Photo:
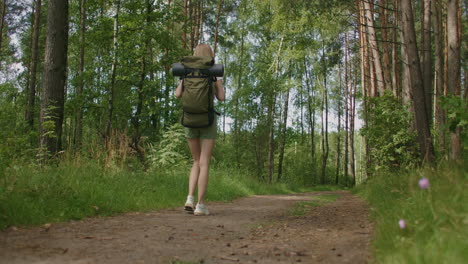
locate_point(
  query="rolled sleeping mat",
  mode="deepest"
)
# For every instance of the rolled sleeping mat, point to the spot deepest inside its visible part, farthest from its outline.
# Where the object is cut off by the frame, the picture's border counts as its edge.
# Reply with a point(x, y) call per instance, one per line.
point(178, 69)
point(217, 70)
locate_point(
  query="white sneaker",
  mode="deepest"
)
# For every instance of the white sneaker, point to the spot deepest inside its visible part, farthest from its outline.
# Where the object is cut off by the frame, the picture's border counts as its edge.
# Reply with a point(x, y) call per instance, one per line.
point(189, 204)
point(201, 210)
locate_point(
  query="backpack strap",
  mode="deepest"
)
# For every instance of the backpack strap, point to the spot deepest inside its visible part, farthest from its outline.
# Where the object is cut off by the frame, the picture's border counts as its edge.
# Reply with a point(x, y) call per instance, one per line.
point(210, 102)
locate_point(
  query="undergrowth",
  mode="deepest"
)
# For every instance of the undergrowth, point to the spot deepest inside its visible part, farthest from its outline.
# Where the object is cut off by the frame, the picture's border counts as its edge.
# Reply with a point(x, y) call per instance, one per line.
point(416, 224)
point(31, 195)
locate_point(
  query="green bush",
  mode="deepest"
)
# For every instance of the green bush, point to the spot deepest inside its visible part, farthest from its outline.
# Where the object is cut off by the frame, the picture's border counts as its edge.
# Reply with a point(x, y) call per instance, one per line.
point(15, 144)
point(457, 117)
point(392, 144)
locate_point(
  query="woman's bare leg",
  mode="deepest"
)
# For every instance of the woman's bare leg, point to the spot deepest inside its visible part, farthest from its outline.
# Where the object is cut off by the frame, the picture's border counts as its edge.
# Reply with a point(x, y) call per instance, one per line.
point(204, 165)
point(194, 144)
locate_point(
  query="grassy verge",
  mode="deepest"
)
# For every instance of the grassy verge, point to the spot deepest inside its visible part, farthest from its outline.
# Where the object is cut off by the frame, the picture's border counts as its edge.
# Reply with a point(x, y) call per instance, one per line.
point(33, 196)
point(435, 219)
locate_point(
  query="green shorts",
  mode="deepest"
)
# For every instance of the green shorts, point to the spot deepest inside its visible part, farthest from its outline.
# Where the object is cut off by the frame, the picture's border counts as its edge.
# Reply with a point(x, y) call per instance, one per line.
point(210, 132)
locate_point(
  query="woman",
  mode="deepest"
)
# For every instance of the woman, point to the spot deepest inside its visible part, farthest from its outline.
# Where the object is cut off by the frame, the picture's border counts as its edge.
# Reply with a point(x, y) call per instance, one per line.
point(201, 142)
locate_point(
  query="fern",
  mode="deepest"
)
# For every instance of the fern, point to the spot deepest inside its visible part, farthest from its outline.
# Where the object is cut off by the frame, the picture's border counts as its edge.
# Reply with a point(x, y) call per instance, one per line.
point(171, 150)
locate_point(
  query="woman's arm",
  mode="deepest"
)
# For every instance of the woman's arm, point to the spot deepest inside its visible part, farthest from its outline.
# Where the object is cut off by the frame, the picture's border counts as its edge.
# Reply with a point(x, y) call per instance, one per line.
point(219, 92)
point(179, 90)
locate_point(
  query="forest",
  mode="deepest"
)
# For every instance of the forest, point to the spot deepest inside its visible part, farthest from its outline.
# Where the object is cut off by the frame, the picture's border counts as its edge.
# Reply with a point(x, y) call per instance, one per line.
point(340, 93)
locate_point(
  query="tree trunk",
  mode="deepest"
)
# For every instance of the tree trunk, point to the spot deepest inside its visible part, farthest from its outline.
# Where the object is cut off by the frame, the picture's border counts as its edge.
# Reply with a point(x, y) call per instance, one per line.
point(167, 93)
point(259, 156)
point(114, 73)
point(192, 27)
point(271, 138)
point(184, 31)
point(396, 80)
point(224, 105)
point(196, 21)
point(427, 58)
point(380, 82)
point(338, 140)
point(55, 66)
point(33, 70)
point(301, 94)
point(79, 88)
point(386, 67)
point(154, 120)
point(311, 114)
point(417, 88)
point(220, 3)
point(439, 79)
point(325, 146)
point(136, 137)
point(236, 101)
point(347, 108)
point(369, 73)
point(454, 68)
point(272, 116)
point(283, 135)
point(406, 82)
point(136, 118)
point(446, 46)
point(3, 12)
point(366, 86)
point(167, 79)
point(406, 77)
point(199, 22)
point(351, 135)
point(465, 96)
point(374, 92)
point(29, 64)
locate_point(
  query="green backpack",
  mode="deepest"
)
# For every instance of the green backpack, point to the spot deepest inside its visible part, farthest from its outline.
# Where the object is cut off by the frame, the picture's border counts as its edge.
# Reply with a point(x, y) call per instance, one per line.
point(198, 92)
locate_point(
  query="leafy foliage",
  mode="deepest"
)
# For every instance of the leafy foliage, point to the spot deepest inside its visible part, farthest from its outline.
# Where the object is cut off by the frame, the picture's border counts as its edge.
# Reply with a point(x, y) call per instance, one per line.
point(457, 115)
point(391, 142)
point(14, 146)
point(171, 150)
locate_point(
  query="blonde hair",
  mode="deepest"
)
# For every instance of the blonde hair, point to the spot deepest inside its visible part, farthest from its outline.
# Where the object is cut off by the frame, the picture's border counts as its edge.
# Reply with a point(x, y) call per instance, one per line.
point(203, 50)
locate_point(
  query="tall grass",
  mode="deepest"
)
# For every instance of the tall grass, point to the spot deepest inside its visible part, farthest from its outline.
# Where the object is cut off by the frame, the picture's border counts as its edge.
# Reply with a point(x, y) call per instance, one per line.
point(436, 218)
point(34, 196)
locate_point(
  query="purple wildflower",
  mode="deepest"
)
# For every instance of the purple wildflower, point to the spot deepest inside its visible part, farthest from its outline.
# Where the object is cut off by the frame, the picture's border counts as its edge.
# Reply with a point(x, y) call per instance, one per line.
point(402, 224)
point(424, 183)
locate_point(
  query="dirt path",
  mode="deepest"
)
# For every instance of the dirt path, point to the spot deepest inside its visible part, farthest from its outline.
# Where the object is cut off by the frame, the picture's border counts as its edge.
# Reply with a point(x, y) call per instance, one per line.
point(257, 229)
